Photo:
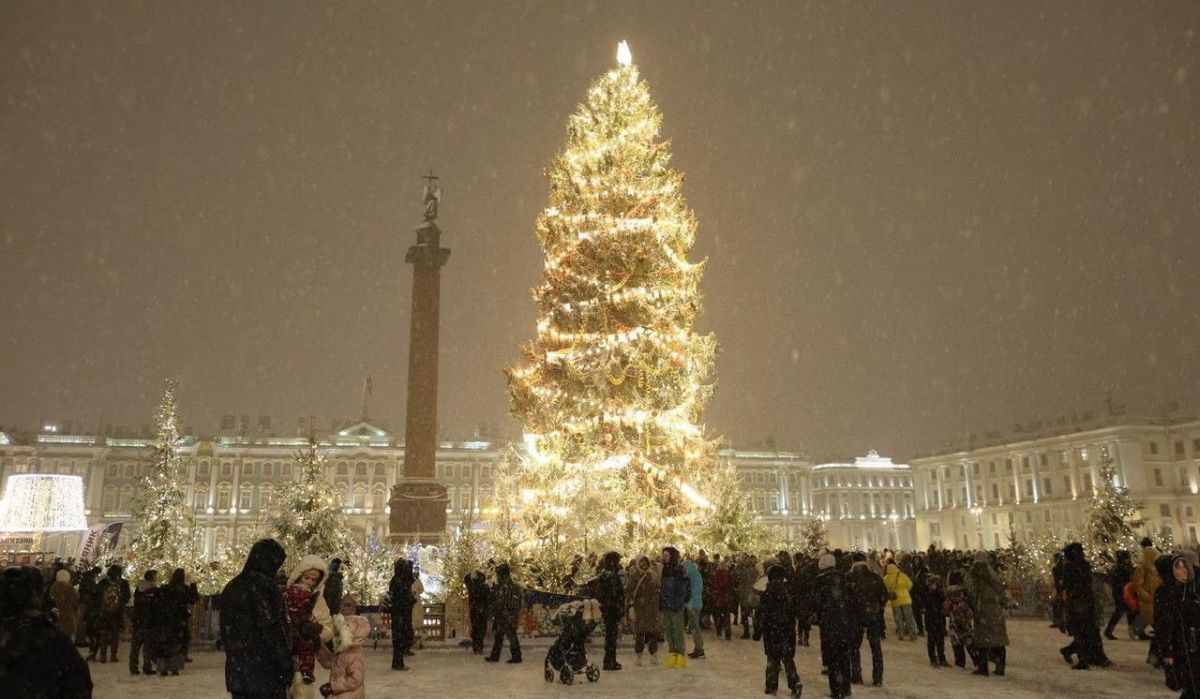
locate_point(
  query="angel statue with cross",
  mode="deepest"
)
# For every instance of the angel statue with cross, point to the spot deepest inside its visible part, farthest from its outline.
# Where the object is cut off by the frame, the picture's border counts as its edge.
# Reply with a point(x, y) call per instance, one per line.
point(431, 197)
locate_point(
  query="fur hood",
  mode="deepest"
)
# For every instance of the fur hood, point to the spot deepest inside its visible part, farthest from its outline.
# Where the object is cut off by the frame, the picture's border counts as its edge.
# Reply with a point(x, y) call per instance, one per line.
point(63, 576)
point(309, 562)
point(349, 631)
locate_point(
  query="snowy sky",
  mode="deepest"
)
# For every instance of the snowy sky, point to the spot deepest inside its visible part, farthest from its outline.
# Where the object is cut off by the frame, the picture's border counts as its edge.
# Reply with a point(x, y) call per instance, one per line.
point(921, 219)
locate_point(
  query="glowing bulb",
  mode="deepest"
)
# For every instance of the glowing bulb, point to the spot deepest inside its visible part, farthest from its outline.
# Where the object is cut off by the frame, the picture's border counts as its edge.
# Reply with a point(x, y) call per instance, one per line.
point(624, 57)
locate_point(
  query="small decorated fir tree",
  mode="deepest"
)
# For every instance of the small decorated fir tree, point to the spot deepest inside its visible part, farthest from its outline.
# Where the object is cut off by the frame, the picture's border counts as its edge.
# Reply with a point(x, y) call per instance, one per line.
point(814, 537)
point(1113, 517)
point(306, 515)
point(164, 520)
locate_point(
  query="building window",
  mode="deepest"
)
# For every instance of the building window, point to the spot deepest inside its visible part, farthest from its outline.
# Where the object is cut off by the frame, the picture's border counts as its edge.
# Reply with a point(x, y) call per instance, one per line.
point(1028, 517)
point(995, 492)
point(1028, 487)
point(1192, 535)
point(201, 499)
point(975, 468)
point(224, 493)
point(265, 494)
point(248, 468)
point(1087, 482)
point(286, 469)
point(1158, 481)
point(268, 469)
point(360, 468)
point(1066, 484)
point(1046, 487)
point(110, 499)
point(464, 499)
point(1025, 464)
point(991, 467)
point(1179, 448)
point(360, 496)
point(1012, 491)
point(110, 471)
point(1008, 465)
point(226, 469)
point(1187, 511)
point(245, 498)
point(1153, 447)
point(1196, 447)
point(203, 469)
point(1042, 460)
point(378, 501)
point(1164, 510)
point(379, 470)
point(130, 470)
point(343, 469)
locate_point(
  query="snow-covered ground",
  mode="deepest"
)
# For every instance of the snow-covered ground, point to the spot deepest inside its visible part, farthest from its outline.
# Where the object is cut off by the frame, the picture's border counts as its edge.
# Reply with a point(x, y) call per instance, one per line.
point(732, 669)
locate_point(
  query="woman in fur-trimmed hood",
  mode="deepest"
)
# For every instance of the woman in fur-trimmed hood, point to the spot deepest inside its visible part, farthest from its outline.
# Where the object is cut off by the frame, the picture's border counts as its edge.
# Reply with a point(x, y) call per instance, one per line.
point(308, 613)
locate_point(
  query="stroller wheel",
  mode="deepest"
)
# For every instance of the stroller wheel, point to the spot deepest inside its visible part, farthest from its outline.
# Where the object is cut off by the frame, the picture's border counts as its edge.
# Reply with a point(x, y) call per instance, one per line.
point(593, 673)
point(566, 675)
point(549, 674)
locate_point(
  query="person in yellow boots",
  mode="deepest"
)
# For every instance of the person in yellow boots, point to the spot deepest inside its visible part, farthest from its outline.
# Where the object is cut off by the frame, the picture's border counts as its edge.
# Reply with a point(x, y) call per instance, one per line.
point(898, 584)
point(674, 592)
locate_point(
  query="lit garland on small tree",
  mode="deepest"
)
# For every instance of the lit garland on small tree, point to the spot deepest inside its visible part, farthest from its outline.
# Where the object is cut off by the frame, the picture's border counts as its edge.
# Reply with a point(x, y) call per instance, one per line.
point(614, 384)
point(1113, 517)
point(370, 568)
point(814, 537)
point(730, 525)
point(164, 520)
point(306, 515)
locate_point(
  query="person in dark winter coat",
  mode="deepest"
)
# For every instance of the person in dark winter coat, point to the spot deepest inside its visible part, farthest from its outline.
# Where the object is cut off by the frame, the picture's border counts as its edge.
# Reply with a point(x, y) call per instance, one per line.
point(746, 574)
point(723, 601)
point(1119, 576)
point(643, 596)
point(479, 600)
point(608, 589)
point(112, 594)
point(1177, 611)
point(960, 617)
point(837, 610)
point(167, 627)
point(37, 660)
point(139, 619)
point(85, 630)
point(991, 632)
point(919, 574)
point(775, 624)
point(935, 621)
point(800, 580)
point(400, 591)
point(1081, 611)
point(335, 582)
point(507, 601)
point(872, 597)
point(254, 627)
point(675, 589)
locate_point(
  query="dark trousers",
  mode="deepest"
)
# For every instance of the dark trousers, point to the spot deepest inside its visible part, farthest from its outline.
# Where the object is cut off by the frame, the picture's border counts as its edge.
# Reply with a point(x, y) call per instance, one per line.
point(138, 648)
point(918, 610)
point(836, 657)
point(872, 633)
point(747, 621)
point(612, 631)
point(1120, 611)
point(998, 655)
point(935, 642)
point(789, 666)
point(1087, 645)
point(506, 629)
point(721, 624)
point(402, 634)
point(643, 640)
point(108, 638)
point(478, 629)
point(960, 654)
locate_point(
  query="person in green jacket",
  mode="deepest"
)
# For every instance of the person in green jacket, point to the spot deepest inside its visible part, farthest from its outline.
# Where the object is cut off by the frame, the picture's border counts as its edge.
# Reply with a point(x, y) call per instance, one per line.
point(898, 585)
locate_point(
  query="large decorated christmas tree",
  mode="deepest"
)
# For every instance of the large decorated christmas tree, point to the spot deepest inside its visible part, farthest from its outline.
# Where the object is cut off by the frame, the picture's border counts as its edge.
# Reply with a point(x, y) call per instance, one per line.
point(165, 523)
point(614, 384)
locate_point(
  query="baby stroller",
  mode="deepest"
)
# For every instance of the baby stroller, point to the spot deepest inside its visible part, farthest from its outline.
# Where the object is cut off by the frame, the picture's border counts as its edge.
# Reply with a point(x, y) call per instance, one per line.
point(567, 657)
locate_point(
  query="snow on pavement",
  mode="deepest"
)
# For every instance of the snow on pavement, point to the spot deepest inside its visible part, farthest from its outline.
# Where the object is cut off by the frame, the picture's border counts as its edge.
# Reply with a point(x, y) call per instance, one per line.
point(732, 669)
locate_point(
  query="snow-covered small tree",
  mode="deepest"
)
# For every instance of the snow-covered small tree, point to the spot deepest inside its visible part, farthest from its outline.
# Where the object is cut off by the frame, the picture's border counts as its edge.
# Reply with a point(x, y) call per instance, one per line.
point(729, 525)
point(369, 569)
point(814, 537)
point(1113, 517)
point(164, 520)
point(306, 515)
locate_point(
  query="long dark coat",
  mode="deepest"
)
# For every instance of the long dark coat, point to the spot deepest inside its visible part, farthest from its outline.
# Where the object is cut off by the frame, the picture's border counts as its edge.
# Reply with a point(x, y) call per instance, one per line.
point(835, 608)
point(1081, 600)
point(644, 593)
point(775, 621)
point(1178, 632)
point(37, 661)
point(254, 626)
point(987, 594)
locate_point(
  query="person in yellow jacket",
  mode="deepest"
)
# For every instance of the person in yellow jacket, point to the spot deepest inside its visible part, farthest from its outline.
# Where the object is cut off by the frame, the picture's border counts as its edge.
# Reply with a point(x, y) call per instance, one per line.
point(1146, 581)
point(898, 585)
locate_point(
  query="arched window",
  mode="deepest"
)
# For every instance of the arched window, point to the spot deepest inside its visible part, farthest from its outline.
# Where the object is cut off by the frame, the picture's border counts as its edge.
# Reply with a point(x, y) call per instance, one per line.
point(343, 468)
point(201, 498)
point(265, 493)
point(464, 498)
point(360, 468)
point(246, 497)
point(220, 536)
point(360, 495)
point(379, 499)
point(224, 494)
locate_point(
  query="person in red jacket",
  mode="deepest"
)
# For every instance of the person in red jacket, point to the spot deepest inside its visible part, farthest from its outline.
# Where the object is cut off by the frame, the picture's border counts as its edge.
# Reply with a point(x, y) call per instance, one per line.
point(724, 598)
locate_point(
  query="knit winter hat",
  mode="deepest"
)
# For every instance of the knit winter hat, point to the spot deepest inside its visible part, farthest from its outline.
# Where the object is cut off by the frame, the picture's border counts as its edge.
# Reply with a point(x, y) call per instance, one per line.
point(826, 561)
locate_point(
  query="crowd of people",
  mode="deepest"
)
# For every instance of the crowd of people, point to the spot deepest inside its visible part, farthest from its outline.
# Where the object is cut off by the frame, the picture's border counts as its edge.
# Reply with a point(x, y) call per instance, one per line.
point(276, 626)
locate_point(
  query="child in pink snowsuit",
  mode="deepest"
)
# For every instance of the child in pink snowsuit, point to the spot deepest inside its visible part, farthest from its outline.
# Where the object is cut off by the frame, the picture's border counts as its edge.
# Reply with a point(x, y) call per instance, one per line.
point(347, 670)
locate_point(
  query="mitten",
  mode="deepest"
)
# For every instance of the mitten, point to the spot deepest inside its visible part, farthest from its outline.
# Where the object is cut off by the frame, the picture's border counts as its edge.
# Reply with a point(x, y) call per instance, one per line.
point(326, 689)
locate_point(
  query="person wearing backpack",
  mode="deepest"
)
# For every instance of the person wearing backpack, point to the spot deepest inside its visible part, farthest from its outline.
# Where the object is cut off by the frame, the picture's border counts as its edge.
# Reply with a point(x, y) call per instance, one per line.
point(112, 594)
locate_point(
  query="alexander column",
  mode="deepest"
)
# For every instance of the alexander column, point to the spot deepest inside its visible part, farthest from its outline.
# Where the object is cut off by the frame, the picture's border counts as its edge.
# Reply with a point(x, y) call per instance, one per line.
point(418, 502)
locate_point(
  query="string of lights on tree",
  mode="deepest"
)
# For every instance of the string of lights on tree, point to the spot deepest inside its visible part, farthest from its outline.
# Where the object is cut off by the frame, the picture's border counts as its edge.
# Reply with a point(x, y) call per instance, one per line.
point(614, 383)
